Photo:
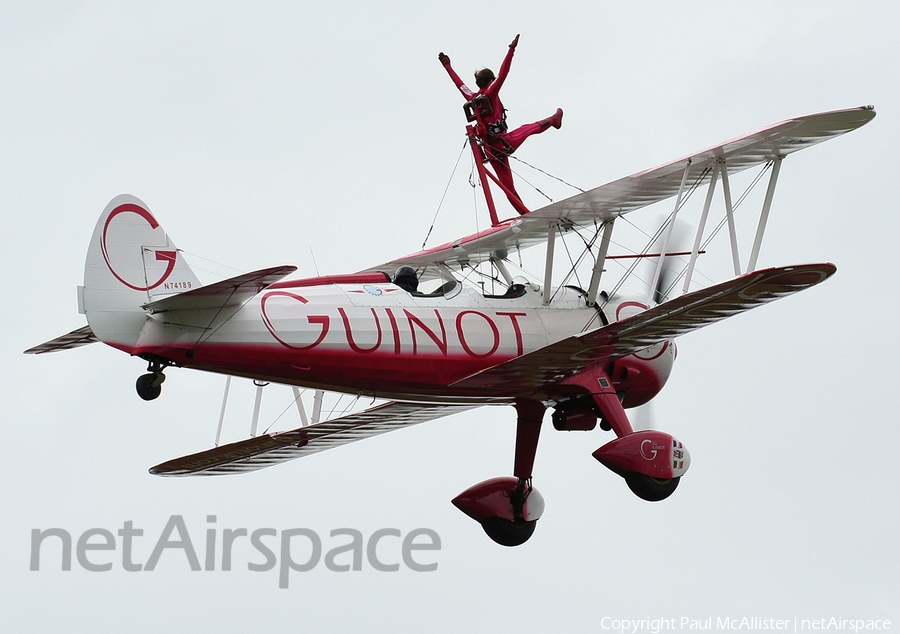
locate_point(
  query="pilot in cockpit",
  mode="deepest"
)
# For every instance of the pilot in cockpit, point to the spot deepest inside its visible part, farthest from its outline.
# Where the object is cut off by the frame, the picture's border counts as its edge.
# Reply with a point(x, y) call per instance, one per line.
point(406, 278)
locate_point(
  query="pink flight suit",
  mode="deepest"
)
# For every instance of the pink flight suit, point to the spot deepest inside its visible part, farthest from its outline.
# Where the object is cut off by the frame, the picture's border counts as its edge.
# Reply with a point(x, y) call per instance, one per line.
point(500, 143)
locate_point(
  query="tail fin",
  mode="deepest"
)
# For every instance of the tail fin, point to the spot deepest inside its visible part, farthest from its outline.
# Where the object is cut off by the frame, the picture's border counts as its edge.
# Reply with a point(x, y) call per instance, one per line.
point(130, 262)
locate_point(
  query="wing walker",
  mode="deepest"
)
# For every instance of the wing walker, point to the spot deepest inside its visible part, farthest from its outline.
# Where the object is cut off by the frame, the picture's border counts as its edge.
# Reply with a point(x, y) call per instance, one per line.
point(431, 343)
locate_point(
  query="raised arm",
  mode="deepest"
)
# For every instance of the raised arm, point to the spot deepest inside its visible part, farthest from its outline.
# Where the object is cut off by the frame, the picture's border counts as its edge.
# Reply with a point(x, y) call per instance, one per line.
point(465, 90)
point(504, 67)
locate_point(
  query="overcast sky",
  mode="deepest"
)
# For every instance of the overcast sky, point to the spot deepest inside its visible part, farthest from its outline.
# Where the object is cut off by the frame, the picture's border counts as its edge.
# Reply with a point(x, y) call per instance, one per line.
point(272, 134)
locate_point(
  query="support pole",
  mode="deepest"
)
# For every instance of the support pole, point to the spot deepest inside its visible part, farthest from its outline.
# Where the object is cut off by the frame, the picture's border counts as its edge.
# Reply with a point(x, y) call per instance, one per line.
point(764, 214)
point(548, 266)
point(479, 165)
point(695, 251)
point(729, 215)
point(222, 413)
point(599, 264)
point(665, 245)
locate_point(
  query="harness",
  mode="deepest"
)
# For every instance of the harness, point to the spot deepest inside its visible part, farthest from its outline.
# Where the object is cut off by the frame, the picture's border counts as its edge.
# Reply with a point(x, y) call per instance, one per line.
point(477, 110)
point(498, 127)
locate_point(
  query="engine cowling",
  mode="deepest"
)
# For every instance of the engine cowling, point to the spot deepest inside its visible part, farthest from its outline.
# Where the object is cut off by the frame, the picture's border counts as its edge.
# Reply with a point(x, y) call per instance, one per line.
point(642, 375)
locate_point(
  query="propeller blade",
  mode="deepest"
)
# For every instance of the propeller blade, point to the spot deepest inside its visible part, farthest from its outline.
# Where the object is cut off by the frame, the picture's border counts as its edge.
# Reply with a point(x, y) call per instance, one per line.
point(672, 267)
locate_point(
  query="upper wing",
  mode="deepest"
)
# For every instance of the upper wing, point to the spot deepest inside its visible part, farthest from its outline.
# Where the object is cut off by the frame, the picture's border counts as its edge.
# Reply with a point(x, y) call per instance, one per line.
point(81, 337)
point(270, 449)
point(535, 371)
point(639, 190)
point(230, 292)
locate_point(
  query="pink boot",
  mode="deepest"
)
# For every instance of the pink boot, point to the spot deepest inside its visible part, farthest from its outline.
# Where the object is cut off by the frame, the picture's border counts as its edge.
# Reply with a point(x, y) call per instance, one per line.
point(555, 120)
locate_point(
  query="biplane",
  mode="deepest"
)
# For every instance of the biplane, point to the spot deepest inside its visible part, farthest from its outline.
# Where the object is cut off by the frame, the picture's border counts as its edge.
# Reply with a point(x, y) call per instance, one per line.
point(416, 333)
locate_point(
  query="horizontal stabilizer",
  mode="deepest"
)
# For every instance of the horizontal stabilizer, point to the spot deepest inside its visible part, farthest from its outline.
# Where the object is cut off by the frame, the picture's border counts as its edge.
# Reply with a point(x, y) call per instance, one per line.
point(549, 365)
point(231, 292)
point(75, 339)
point(271, 449)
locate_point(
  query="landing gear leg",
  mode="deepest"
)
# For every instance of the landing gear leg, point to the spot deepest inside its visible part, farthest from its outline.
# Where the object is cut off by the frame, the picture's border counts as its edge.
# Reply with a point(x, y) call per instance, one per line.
point(528, 431)
point(149, 386)
point(651, 462)
point(508, 508)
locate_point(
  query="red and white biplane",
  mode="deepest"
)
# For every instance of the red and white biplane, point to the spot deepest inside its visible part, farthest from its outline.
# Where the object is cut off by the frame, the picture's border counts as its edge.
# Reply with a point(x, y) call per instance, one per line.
point(586, 353)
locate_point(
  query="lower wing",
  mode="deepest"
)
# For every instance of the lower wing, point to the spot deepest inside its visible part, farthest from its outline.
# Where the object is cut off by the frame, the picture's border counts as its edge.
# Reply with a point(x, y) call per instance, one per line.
point(271, 449)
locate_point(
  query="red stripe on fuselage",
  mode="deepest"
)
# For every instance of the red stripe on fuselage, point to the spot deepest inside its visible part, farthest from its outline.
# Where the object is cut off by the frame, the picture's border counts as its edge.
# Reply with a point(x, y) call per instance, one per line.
point(379, 371)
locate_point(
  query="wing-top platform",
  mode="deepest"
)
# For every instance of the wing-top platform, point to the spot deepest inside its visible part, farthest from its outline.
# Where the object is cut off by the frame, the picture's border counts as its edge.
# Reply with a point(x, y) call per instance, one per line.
point(639, 190)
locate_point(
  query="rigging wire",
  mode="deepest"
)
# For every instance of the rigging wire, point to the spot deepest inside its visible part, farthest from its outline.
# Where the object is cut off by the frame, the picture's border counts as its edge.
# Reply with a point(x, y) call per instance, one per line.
point(444, 195)
point(735, 206)
point(573, 270)
point(284, 411)
point(474, 183)
point(719, 227)
point(353, 401)
point(659, 231)
point(644, 252)
point(329, 415)
point(205, 270)
point(548, 174)
point(532, 185)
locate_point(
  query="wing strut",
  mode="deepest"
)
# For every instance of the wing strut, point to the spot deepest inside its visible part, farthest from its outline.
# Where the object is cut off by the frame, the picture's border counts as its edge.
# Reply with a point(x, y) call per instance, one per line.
point(601, 261)
point(304, 421)
point(504, 272)
point(317, 406)
point(764, 214)
point(701, 227)
point(548, 267)
point(222, 412)
point(256, 405)
point(729, 214)
point(254, 422)
point(669, 229)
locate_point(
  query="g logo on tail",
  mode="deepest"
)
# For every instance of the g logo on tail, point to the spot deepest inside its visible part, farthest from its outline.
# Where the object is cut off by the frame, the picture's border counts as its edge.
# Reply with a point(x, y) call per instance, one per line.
point(168, 257)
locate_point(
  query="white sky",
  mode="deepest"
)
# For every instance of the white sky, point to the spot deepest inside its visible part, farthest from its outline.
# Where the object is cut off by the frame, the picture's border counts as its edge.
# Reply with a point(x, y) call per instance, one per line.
point(257, 135)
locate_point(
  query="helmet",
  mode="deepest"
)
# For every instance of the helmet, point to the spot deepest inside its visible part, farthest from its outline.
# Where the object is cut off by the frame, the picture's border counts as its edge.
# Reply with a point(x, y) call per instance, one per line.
point(406, 278)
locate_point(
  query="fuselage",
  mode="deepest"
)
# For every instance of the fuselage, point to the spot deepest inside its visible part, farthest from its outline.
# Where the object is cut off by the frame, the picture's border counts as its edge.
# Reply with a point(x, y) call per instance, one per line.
point(378, 339)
